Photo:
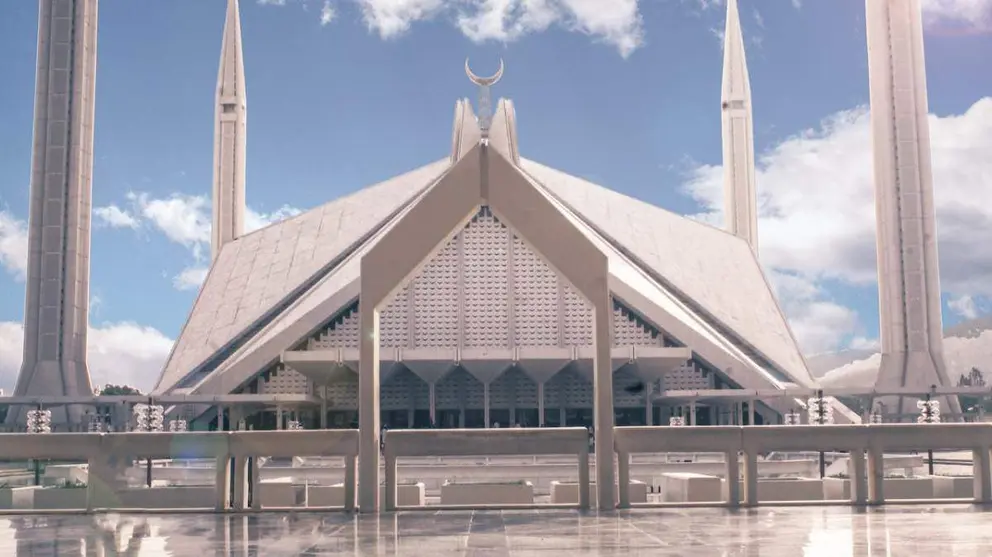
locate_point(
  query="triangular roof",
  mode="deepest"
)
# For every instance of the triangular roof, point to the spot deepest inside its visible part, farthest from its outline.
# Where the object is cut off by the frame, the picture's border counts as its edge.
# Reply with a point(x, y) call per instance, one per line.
point(291, 294)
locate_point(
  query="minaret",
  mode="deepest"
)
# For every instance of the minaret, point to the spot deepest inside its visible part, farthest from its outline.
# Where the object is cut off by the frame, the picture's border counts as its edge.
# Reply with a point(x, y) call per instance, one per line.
point(740, 205)
point(56, 309)
point(229, 136)
point(906, 233)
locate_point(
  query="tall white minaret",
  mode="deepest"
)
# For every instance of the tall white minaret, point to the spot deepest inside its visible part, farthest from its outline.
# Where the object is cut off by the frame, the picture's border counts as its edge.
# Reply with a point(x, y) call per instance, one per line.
point(229, 136)
point(56, 308)
point(740, 203)
point(906, 233)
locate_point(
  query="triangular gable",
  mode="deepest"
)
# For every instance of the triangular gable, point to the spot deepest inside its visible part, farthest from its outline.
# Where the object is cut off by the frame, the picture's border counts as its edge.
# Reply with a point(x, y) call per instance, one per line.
point(714, 270)
point(257, 272)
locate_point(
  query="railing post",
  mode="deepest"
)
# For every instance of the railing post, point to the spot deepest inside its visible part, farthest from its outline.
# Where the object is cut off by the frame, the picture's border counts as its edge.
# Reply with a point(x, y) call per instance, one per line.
point(222, 483)
point(982, 466)
point(350, 482)
point(255, 483)
point(584, 487)
point(390, 483)
point(859, 478)
point(732, 489)
point(623, 478)
point(751, 478)
point(241, 482)
point(876, 476)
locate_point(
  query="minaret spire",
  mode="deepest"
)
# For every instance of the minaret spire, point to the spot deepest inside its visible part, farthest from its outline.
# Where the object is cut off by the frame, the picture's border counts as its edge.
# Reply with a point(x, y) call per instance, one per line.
point(910, 324)
point(56, 309)
point(740, 205)
point(229, 136)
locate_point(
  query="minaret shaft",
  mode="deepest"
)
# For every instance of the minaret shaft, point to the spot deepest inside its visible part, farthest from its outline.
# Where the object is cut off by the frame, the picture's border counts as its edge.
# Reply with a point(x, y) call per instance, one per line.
point(56, 309)
point(230, 129)
point(908, 278)
point(740, 199)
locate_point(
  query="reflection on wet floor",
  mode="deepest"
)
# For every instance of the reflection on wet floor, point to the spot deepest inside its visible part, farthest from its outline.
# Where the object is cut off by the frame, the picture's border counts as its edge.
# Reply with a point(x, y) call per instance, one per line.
point(958, 531)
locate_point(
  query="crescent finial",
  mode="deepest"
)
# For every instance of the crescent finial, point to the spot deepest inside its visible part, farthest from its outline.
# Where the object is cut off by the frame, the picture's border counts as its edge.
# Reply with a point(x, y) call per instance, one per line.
point(484, 81)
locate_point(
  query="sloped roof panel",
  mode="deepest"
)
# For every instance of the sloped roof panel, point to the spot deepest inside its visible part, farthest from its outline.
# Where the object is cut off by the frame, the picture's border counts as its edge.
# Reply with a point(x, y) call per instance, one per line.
point(255, 272)
point(715, 269)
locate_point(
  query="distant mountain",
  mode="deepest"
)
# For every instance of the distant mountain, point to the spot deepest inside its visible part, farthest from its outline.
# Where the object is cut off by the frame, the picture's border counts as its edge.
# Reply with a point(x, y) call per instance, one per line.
point(966, 345)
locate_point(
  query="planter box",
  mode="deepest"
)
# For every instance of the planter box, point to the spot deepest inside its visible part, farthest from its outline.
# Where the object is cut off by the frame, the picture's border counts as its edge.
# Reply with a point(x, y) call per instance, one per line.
point(487, 494)
point(687, 487)
point(836, 489)
point(56, 498)
point(912, 488)
point(18, 497)
point(281, 492)
point(567, 493)
point(407, 495)
point(799, 489)
point(178, 497)
point(954, 487)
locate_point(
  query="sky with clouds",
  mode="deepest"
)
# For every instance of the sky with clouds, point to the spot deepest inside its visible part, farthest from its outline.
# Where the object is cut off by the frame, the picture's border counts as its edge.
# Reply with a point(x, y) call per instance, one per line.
point(345, 93)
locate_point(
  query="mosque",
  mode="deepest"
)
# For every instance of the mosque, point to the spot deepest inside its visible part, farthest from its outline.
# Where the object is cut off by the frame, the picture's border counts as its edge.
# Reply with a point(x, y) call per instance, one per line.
point(486, 331)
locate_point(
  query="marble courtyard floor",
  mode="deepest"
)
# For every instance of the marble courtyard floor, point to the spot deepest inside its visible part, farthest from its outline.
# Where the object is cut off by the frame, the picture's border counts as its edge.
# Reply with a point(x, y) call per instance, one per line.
point(937, 531)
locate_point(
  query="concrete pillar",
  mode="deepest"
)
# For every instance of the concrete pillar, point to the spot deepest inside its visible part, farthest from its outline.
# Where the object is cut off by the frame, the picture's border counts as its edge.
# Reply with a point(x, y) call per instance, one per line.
point(876, 477)
point(584, 487)
point(648, 414)
point(623, 479)
point(222, 483)
point(220, 417)
point(603, 401)
point(432, 400)
point(692, 412)
point(739, 407)
point(241, 483)
point(279, 412)
point(859, 478)
point(732, 477)
point(751, 478)
point(254, 483)
point(485, 404)
point(982, 466)
point(750, 412)
point(540, 405)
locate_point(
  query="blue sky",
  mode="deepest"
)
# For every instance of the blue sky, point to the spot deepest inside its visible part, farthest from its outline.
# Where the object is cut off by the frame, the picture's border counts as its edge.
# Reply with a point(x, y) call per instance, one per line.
point(621, 92)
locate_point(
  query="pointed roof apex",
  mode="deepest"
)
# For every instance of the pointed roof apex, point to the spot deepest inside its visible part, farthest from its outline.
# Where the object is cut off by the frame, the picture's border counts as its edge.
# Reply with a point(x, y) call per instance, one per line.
point(736, 84)
point(465, 132)
point(231, 80)
point(503, 131)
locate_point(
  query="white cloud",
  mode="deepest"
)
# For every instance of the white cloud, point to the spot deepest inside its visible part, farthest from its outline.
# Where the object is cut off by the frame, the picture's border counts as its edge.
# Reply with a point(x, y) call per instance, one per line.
point(190, 278)
point(327, 13)
point(114, 217)
point(13, 245)
point(119, 353)
point(817, 215)
point(819, 324)
point(614, 22)
point(964, 306)
point(976, 14)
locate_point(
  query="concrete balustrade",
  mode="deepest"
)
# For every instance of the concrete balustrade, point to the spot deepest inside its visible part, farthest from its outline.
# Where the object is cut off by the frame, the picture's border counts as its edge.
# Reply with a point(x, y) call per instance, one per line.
point(866, 445)
point(486, 442)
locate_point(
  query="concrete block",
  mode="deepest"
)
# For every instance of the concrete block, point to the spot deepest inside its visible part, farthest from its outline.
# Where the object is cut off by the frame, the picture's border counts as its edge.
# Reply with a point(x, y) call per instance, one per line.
point(55, 498)
point(521, 493)
point(687, 487)
point(407, 495)
point(953, 487)
point(176, 497)
point(790, 489)
point(836, 489)
point(17, 497)
point(914, 488)
point(281, 492)
point(567, 493)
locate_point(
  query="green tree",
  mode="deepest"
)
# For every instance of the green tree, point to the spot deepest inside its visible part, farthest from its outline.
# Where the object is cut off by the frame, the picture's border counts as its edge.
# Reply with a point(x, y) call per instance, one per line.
point(974, 378)
point(119, 390)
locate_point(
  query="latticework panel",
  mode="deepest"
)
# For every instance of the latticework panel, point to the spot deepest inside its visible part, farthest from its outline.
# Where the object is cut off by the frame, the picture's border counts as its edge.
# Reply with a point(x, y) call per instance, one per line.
point(535, 293)
point(513, 388)
point(394, 394)
point(630, 330)
point(459, 389)
point(568, 389)
point(485, 253)
point(285, 382)
point(624, 378)
point(688, 377)
point(340, 333)
point(436, 300)
point(578, 318)
point(343, 395)
point(394, 321)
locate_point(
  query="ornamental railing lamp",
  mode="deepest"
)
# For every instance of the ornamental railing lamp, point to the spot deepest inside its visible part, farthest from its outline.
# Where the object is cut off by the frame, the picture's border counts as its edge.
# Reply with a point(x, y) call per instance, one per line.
point(676, 421)
point(792, 417)
point(39, 421)
point(294, 425)
point(149, 418)
point(178, 426)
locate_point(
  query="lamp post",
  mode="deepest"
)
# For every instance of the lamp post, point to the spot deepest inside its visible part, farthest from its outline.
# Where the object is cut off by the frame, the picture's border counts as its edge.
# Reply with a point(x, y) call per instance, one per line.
point(929, 414)
point(39, 421)
point(820, 413)
point(148, 417)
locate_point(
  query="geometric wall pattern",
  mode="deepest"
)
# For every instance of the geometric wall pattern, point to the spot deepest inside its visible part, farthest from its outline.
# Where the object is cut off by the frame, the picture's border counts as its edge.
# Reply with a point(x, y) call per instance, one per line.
point(486, 288)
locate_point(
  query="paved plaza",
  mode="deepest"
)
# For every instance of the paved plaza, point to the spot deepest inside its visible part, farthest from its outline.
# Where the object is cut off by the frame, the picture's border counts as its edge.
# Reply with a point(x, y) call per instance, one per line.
point(961, 531)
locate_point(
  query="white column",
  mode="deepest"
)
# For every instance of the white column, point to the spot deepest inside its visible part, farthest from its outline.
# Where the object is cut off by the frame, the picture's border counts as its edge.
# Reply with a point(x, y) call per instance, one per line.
point(540, 404)
point(485, 404)
point(603, 403)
